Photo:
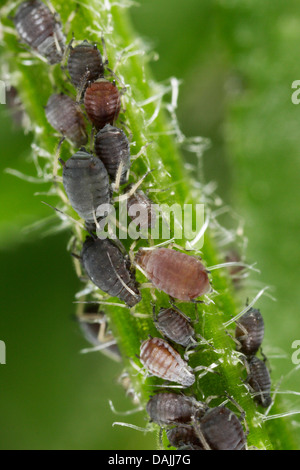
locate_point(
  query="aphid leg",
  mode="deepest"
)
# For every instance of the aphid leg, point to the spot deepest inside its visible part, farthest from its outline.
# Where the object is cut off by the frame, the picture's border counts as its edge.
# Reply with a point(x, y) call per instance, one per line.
point(57, 159)
point(121, 280)
point(83, 83)
point(99, 347)
point(116, 185)
point(199, 433)
point(106, 62)
point(65, 55)
point(124, 413)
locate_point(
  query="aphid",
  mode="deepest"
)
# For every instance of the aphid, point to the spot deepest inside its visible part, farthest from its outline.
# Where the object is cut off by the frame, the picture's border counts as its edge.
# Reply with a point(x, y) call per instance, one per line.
point(112, 147)
point(38, 27)
point(65, 117)
point(220, 429)
point(86, 183)
point(184, 437)
point(102, 102)
point(161, 360)
point(181, 276)
point(175, 326)
point(250, 332)
point(260, 381)
point(85, 64)
point(95, 330)
point(171, 408)
point(109, 270)
point(140, 208)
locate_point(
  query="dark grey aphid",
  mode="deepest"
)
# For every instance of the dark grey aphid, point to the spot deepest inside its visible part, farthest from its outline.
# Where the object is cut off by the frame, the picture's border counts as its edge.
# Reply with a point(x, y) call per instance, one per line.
point(112, 147)
point(94, 327)
point(250, 332)
point(184, 437)
point(220, 429)
point(141, 209)
point(38, 27)
point(86, 183)
point(260, 381)
point(109, 270)
point(174, 326)
point(65, 117)
point(85, 64)
point(171, 408)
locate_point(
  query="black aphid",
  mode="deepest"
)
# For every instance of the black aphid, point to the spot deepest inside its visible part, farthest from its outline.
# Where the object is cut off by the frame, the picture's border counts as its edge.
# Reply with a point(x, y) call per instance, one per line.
point(220, 429)
point(65, 117)
point(109, 270)
point(85, 64)
point(250, 332)
point(184, 437)
point(175, 326)
point(86, 183)
point(260, 381)
point(112, 147)
point(38, 27)
point(171, 408)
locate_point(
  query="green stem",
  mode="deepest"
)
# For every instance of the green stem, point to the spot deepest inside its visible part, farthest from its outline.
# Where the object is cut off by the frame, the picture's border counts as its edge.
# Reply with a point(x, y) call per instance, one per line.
point(35, 84)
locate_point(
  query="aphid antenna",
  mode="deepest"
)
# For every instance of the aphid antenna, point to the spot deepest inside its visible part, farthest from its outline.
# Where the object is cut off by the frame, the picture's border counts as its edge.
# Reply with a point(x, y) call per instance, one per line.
point(132, 426)
point(124, 413)
point(100, 347)
point(253, 301)
point(189, 245)
point(230, 264)
point(65, 215)
point(125, 196)
point(97, 318)
point(29, 179)
point(142, 151)
point(57, 158)
point(102, 302)
point(280, 415)
point(206, 369)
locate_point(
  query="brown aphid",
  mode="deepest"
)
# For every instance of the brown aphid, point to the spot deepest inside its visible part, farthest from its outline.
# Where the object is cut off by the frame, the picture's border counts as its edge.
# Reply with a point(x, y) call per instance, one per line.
point(102, 102)
point(38, 27)
point(112, 147)
point(181, 276)
point(260, 381)
point(85, 63)
point(184, 437)
point(220, 429)
point(171, 408)
point(250, 332)
point(161, 360)
point(174, 326)
point(65, 117)
point(141, 210)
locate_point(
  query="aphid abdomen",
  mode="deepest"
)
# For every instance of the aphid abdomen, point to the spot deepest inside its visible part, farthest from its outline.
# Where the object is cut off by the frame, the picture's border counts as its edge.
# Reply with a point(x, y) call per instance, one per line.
point(222, 429)
point(102, 103)
point(171, 408)
point(85, 63)
point(112, 147)
point(38, 28)
point(175, 326)
point(184, 437)
point(163, 361)
point(105, 265)
point(177, 274)
point(250, 331)
point(64, 116)
point(260, 381)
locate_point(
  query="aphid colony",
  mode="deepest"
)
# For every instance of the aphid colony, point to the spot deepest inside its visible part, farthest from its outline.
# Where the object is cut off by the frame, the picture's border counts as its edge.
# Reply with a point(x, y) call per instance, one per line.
point(88, 181)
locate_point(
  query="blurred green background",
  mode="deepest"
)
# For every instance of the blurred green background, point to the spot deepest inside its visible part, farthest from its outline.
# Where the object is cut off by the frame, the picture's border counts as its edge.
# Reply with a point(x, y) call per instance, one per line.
point(237, 61)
